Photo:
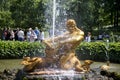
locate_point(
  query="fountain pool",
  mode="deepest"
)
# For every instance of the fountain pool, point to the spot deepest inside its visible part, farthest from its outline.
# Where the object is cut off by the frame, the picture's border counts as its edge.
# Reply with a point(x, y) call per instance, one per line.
point(15, 64)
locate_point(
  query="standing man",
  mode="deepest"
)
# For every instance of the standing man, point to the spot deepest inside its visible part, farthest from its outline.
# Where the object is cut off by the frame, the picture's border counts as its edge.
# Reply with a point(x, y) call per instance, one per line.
point(20, 35)
point(41, 35)
point(37, 32)
point(88, 37)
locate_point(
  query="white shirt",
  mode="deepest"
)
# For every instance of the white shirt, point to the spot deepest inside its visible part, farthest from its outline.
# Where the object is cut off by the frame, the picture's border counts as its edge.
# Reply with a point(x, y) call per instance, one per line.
point(20, 34)
point(41, 35)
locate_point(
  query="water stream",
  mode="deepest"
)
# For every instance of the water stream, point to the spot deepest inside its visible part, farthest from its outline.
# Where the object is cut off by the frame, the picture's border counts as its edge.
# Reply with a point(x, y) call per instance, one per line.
point(56, 17)
point(54, 14)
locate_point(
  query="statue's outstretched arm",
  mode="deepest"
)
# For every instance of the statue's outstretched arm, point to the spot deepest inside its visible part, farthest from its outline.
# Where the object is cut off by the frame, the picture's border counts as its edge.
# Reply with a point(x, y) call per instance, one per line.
point(50, 41)
point(73, 39)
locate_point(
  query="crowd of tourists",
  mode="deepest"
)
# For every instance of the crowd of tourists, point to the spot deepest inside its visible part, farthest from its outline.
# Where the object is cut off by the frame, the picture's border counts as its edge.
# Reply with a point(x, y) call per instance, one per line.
point(35, 34)
point(19, 34)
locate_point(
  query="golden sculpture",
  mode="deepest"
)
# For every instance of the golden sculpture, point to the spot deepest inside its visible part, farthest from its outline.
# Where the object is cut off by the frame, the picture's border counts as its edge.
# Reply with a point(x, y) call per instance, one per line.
point(105, 67)
point(86, 65)
point(60, 51)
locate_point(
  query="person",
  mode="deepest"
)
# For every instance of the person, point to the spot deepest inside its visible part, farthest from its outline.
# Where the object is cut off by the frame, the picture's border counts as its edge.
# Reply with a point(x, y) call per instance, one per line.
point(8, 33)
point(33, 36)
point(37, 32)
point(20, 35)
point(4, 34)
point(16, 32)
point(28, 34)
point(41, 35)
point(88, 37)
point(60, 50)
point(12, 35)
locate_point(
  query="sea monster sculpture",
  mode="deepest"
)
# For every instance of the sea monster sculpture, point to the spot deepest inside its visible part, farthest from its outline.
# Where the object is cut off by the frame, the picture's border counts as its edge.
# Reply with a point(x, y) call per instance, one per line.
point(61, 52)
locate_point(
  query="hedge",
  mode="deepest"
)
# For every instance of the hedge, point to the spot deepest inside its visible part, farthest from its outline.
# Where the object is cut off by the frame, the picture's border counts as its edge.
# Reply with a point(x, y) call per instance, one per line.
point(17, 49)
point(99, 51)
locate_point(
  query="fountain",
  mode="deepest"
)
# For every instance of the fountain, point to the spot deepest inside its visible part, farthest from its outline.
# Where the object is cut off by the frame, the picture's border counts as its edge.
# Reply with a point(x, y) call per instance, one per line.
point(60, 56)
point(60, 61)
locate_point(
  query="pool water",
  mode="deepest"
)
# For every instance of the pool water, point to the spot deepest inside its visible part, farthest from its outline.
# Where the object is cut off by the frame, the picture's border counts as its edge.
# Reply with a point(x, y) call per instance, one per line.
point(10, 64)
point(15, 64)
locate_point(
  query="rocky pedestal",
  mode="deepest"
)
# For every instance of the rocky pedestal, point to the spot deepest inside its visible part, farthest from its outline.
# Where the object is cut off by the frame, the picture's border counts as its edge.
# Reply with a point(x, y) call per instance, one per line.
point(19, 74)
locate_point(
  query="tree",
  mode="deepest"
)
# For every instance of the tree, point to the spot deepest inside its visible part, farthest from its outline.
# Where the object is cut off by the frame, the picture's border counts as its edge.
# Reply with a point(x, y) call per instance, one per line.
point(28, 13)
point(5, 14)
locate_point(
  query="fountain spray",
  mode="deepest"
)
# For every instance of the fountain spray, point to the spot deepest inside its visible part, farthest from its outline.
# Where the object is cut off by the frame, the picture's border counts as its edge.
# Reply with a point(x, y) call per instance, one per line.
point(53, 24)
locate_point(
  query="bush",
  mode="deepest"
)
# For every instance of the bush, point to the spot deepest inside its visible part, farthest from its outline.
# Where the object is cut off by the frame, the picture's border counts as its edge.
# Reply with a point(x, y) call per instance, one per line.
point(16, 49)
point(99, 51)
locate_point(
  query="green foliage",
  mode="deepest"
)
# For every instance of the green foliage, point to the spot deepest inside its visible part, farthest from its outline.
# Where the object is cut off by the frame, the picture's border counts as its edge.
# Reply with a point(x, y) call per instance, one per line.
point(5, 18)
point(114, 51)
point(94, 50)
point(94, 14)
point(99, 51)
point(89, 14)
point(16, 49)
point(28, 13)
